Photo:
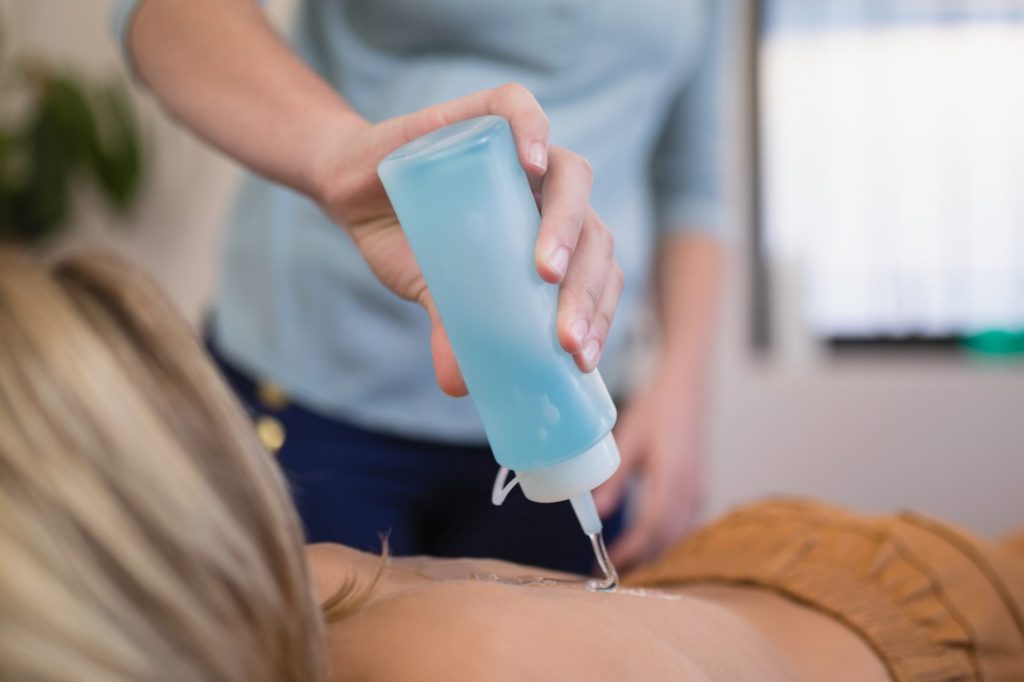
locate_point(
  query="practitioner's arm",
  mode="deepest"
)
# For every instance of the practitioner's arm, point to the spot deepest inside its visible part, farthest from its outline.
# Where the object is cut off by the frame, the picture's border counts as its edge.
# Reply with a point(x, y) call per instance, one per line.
point(220, 68)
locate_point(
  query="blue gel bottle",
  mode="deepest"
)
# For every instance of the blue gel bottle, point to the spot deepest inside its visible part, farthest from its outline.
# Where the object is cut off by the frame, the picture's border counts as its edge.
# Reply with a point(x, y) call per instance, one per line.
point(467, 209)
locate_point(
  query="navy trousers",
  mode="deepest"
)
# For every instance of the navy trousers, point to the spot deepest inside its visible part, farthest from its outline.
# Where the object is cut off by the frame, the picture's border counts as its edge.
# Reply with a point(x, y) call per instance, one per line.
point(353, 486)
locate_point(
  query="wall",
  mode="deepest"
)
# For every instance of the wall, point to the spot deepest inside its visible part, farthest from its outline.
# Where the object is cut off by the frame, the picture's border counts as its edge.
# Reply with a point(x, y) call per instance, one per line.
point(174, 230)
point(941, 435)
point(938, 434)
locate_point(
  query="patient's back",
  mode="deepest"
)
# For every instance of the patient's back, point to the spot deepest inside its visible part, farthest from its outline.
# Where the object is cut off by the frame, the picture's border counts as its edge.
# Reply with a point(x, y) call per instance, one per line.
point(451, 620)
point(489, 632)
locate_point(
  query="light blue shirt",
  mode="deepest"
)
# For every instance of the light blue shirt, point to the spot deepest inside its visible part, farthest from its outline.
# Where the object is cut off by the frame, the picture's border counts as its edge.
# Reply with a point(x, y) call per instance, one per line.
point(632, 86)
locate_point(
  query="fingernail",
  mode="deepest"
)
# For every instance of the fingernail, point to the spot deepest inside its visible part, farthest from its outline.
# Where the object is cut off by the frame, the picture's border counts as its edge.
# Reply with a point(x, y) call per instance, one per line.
point(591, 351)
point(560, 260)
point(580, 329)
point(538, 155)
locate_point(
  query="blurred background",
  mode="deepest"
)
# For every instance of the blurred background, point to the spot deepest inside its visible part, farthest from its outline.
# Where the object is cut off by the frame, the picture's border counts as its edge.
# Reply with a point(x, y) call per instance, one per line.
point(873, 346)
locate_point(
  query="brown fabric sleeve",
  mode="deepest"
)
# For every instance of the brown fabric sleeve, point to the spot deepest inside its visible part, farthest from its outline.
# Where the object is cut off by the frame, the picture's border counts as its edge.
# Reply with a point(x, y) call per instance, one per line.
point(1014, 543)
point(935, 604)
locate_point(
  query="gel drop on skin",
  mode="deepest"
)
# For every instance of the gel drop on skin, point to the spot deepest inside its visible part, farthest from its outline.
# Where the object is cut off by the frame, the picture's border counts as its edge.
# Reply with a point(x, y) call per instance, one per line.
point(468, 212)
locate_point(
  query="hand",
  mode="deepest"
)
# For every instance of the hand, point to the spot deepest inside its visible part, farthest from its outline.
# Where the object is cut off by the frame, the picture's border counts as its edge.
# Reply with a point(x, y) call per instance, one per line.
point(574, 247)
point(659, 438)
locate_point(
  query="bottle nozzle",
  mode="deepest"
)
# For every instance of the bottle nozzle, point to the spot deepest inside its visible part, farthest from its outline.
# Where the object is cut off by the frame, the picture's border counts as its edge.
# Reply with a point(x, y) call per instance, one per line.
point(586, 512)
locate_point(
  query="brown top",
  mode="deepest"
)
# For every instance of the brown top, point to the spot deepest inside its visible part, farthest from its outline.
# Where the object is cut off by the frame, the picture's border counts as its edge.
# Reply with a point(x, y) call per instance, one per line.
point(935, 603)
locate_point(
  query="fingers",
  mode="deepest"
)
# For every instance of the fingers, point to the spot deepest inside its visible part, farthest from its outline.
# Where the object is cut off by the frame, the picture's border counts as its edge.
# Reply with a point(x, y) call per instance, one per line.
point(510, 101)
point(574, 246)
point(582, 295)
point(656, 489)
point(449, 376)
point(603, 316)
point(641, 537)
point(609, 496)
point(565, 200)
point(667, 508)
point(529, 124)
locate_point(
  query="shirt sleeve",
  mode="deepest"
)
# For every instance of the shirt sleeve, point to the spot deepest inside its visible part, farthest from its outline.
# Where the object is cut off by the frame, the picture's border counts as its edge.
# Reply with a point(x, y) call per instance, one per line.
point(121, 13)
point(686, 168)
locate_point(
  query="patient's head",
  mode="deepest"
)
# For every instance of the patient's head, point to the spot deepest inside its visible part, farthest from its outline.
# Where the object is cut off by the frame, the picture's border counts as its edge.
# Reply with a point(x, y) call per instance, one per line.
point(144, 534)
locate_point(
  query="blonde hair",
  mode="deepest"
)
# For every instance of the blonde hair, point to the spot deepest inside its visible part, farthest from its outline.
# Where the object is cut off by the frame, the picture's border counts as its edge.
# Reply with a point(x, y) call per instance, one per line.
point(144, 532)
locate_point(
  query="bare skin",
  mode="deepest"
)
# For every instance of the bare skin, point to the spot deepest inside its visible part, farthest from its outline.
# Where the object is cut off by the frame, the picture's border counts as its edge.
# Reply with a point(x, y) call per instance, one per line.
point(441, 619)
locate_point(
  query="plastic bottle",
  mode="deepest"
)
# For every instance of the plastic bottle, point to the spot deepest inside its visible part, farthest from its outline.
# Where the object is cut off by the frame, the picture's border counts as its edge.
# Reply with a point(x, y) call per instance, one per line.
point(467, 209)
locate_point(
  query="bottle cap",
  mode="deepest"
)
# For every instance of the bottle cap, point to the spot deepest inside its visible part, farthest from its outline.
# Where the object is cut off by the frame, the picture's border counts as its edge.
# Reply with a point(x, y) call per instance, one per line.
point(574, 477)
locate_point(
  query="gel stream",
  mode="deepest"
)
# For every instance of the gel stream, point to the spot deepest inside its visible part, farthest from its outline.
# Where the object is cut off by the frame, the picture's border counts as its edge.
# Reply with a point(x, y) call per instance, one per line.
point(611, 576)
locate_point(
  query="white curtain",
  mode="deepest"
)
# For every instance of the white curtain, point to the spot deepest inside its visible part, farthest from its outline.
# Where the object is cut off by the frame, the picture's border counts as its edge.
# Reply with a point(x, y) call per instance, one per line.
point(894, 162)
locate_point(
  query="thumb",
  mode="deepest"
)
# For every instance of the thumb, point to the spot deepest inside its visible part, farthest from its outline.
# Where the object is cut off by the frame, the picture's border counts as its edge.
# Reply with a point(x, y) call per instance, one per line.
point(511, 101)
point(449, 376)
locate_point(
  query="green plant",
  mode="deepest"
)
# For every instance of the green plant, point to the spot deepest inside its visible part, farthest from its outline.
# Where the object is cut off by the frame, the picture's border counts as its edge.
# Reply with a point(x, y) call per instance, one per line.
point(68, 128)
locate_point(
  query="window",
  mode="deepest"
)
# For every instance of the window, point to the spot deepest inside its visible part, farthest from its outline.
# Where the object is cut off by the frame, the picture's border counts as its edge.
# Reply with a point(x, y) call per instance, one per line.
point(892, 163)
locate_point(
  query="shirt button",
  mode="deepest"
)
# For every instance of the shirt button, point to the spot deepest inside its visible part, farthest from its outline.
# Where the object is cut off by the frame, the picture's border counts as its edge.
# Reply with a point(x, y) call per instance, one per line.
point(272, 396)
point(271, 433)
